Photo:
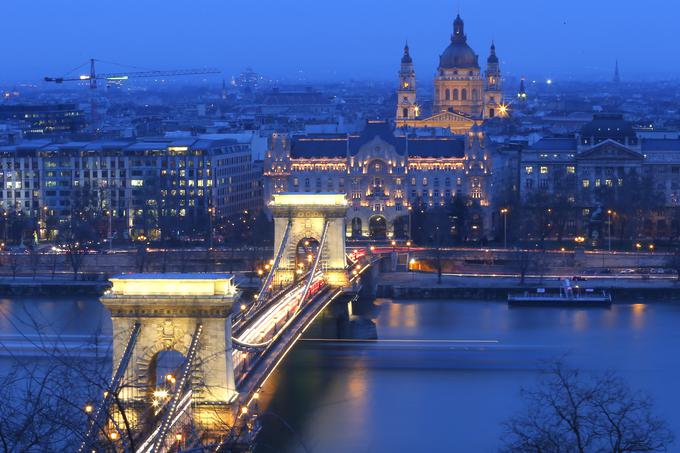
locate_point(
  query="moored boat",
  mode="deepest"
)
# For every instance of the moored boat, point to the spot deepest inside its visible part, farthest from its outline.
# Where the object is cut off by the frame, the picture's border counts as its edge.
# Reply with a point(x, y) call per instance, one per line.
point(565, 296)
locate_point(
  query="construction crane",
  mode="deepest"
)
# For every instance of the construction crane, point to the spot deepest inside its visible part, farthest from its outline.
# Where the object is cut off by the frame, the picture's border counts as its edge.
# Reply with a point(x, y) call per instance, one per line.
point(93, 76)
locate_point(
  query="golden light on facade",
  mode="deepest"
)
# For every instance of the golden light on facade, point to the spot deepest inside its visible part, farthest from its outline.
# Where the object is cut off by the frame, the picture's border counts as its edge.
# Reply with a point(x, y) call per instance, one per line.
point(88, 408)
point(185, 285)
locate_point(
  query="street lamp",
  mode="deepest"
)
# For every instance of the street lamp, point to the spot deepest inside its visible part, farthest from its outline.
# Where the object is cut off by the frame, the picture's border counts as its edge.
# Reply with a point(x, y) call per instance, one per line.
point(211, 213)
point(504, 212)
point(609, 234)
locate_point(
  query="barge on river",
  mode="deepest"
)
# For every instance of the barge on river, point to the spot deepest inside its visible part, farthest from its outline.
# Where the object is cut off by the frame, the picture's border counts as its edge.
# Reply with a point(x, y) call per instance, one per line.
point(565, 296)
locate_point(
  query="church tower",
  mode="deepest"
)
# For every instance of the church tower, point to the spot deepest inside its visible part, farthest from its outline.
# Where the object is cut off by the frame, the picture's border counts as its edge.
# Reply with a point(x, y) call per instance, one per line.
point(493, 95)
point(522, 93)
point(407, 109)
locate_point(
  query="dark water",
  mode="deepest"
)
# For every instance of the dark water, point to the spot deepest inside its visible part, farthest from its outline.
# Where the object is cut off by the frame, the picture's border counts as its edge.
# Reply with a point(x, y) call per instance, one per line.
point(418, 395)
point(421, 396)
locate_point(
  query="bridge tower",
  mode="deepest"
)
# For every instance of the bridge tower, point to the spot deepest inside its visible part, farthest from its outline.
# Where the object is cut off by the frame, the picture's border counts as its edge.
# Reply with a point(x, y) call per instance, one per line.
point(172, 311)
point(310, 216)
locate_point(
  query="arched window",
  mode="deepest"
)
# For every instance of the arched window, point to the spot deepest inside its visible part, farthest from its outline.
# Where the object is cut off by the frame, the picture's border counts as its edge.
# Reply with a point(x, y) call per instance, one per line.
point(475, 95)
point(447, 94)
point(455, 94)
point(463, 94)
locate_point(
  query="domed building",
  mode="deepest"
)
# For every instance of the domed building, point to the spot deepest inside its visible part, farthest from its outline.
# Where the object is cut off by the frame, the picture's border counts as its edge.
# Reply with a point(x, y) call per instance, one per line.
point(463, 96)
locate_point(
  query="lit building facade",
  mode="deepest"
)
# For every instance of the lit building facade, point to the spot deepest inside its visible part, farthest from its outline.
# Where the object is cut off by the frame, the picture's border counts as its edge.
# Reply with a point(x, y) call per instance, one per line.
point(45, 120)
point(591, 169)
point(383, 174)
point(463, 95)
point(142, 184)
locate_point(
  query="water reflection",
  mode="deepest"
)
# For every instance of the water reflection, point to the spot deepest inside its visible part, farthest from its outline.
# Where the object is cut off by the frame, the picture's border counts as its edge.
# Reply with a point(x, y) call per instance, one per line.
point(378, 396)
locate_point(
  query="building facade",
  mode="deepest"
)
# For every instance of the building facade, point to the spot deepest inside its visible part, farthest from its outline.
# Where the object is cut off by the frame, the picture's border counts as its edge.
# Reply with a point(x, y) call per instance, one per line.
point(46, 120)
point(606, 174)
point(144, 185)
point(384, 175)
point(463, 95)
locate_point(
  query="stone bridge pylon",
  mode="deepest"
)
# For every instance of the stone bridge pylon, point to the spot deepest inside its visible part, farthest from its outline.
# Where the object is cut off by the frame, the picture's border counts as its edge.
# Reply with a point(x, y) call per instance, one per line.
point(168, 308)
point(303, 217)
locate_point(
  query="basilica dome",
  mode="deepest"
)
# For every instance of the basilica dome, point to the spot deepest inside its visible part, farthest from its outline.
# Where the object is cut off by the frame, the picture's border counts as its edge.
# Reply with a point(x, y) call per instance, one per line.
point(458, 54)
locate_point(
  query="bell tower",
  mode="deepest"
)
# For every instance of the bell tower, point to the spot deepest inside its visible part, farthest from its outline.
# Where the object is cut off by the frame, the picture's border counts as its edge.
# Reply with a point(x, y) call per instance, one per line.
point(493, 95)
point(407, 109)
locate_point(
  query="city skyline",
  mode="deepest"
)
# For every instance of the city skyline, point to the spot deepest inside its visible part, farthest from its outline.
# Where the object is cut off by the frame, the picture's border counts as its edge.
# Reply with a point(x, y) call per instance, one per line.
point(301, 40)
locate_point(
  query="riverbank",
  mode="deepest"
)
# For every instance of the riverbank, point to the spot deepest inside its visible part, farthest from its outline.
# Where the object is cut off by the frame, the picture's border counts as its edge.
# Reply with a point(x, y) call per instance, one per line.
point(418, 285)
point(51, 286)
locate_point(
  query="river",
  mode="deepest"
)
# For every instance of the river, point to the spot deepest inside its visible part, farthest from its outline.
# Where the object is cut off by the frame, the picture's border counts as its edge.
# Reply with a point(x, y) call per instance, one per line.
point(442, 377)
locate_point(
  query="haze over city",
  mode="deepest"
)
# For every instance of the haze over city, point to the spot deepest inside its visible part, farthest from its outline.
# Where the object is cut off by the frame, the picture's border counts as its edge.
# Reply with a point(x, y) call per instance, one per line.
point(356, 39)
point(331, 227)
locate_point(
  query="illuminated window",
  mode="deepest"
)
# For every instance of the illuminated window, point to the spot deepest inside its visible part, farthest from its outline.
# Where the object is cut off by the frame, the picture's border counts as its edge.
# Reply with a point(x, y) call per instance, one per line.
point(571, 169)
point(529, 169)
point(608, 182)
point(136, 182)
point(424, 181)
point(544, 170)
point(597, 182)
point(585, 183)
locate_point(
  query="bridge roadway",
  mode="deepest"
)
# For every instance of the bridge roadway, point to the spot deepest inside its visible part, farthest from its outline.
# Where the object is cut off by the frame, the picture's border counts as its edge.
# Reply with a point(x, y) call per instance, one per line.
point(253, 374)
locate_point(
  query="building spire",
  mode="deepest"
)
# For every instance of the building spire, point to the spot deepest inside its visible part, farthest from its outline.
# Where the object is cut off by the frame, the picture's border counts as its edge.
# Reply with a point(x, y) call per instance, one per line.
point(617, 77)
point(458, 30)
point(407, 55)
point(522, 93)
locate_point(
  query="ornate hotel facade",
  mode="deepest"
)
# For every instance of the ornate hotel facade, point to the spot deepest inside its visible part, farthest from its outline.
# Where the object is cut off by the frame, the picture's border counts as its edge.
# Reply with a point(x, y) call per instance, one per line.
point(386, 171)
point(383, 174)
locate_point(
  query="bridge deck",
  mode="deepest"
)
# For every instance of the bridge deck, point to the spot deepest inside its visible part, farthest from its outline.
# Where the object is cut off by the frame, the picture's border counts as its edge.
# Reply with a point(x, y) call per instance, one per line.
point(277, 351)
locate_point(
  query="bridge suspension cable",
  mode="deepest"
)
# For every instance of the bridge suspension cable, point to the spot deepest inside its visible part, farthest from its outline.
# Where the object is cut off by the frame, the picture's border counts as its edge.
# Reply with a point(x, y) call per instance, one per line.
point(178, 403)
point(96, 422)
point(312, 274)
point(275, 265)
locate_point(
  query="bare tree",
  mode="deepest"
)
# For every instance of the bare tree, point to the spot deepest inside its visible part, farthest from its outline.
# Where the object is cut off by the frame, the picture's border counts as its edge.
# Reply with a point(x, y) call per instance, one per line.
point(14, 263)
point(569, 412)
point(523, 260)
point(34, 260)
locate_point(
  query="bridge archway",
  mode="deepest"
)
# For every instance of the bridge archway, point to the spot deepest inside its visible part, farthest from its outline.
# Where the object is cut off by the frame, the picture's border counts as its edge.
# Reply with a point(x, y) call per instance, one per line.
point(164, 366)
point(300, 216)
point(306, 251)
point(377, 227)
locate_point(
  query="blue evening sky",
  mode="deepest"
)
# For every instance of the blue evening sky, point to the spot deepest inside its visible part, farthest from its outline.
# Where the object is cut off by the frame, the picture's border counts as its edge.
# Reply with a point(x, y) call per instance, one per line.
point(332, 40)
